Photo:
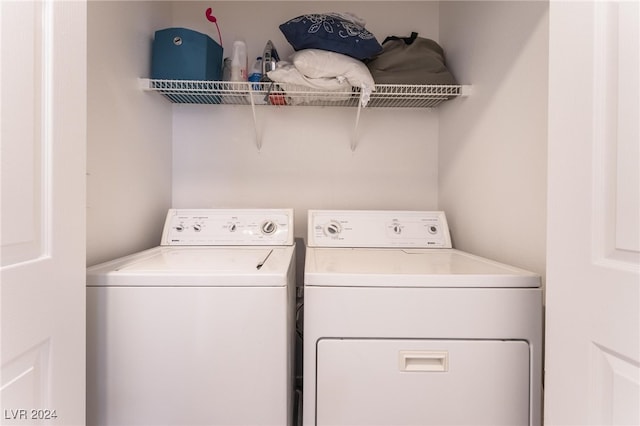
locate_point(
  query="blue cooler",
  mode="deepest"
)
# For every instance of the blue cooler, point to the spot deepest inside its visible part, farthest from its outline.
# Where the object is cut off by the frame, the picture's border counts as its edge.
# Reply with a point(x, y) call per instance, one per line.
point(183, 54)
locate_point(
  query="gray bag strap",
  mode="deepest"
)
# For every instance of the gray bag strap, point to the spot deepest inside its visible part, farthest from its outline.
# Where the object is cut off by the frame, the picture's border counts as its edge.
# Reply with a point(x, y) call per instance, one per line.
point(407, 40)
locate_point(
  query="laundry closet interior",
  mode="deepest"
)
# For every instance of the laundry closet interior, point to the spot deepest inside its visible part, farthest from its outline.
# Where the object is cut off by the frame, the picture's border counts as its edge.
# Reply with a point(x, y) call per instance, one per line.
point(480, 158)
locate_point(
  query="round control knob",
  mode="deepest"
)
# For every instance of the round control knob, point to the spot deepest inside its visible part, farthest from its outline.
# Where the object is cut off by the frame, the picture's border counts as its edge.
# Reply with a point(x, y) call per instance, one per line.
point(197, 227)
point(268, 227)
point(396, 228)
point(433, 229)
point(179, 228)
point(233, 227)
point(332, 229)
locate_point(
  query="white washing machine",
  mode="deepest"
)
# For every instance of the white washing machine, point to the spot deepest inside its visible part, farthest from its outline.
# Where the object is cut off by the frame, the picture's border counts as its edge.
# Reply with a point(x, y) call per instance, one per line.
point(197, 331)
point(401, 329)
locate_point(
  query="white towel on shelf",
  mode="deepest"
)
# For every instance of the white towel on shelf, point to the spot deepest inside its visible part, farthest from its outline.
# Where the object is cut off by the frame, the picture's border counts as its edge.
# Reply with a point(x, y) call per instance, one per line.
point(316, 63)
point(331, 89)
point(326, 71)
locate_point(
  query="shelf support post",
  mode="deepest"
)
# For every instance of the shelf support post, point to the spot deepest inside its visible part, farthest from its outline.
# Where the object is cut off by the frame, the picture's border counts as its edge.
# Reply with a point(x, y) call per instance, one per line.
point(354, 136)
point(255, 120)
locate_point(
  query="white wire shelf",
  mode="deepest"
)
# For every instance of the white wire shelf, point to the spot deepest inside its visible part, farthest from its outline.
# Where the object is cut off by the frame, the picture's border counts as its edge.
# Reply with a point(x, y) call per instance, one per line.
point(266, 93)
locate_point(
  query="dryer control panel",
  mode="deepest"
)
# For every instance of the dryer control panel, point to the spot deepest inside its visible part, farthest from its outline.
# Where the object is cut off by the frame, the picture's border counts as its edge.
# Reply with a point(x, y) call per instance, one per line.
point(222, 227)
point(378, 228)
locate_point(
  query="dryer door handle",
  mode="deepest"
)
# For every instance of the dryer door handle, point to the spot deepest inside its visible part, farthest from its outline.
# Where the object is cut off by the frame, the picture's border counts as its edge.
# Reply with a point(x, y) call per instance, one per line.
point(423, 361)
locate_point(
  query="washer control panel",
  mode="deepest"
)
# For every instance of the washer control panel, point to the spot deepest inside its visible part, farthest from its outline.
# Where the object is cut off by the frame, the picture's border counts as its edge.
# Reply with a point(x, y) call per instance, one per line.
point(378, 228)
point(218, 227)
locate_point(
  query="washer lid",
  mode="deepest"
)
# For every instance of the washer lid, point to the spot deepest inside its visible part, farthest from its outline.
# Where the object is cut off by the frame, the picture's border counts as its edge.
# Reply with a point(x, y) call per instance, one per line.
point(197, 266)
point(370, 267)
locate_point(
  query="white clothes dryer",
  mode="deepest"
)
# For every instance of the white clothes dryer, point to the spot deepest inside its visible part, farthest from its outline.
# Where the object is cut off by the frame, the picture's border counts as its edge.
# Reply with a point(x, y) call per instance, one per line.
point(197, 331)
point(401, 329)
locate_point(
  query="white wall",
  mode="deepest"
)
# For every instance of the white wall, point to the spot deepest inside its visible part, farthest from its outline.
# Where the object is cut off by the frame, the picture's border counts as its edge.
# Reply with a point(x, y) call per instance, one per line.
point(129, 131)
point(493, 145)
point(306, 161)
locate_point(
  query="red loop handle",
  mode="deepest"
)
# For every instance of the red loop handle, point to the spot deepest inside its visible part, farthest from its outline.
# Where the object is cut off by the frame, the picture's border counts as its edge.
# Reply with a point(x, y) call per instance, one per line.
point(213, 19)
point(210, 16)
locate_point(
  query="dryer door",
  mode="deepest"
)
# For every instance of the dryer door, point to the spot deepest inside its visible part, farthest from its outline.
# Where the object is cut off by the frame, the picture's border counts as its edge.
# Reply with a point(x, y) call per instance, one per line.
point(422, 382)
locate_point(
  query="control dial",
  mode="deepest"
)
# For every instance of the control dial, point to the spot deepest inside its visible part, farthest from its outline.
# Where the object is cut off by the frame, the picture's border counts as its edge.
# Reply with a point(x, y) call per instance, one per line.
point(396, 228)
point(332, 229)
point(268, 227)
